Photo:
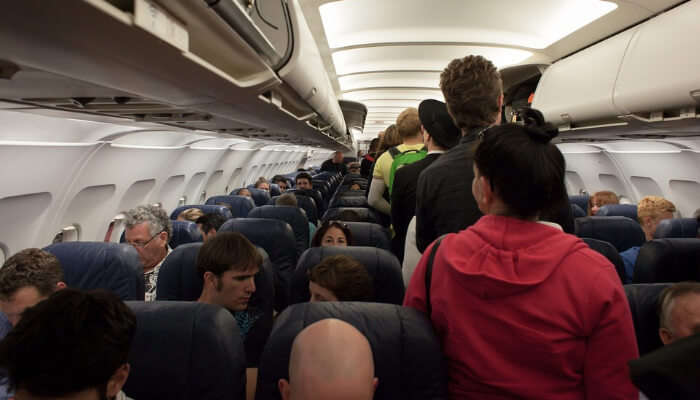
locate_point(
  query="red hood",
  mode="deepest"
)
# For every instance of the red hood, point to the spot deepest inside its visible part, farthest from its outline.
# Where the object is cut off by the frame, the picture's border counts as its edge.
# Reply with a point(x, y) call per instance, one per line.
point(501, 256)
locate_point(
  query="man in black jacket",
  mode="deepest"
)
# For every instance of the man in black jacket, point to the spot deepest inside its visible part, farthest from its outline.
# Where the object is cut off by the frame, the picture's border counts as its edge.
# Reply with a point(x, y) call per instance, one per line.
point(439, 134)
point(335, 164)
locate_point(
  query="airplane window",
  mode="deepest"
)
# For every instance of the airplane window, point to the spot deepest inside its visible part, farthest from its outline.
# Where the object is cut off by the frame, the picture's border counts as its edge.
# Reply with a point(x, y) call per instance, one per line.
point(203, 197)
point(3, 254)
point(70, 233)
point(182, 201)
point(116, 227)
point(159, 205)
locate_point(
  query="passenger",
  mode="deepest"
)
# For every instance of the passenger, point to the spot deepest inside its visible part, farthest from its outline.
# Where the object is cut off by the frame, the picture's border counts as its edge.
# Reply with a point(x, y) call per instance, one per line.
point(281, 182)
point(512, 276)
point(333, 233)
point(303, 181)
point(329, 358)
point(349, 216)
point(340, 278)
point(228, 264)
point(245, 192)
point(335, 164)
point(209, 224)
point(72, 346)
point(651, 210)
point(369, 158)
point(408, 126)
point(148, 230)
point(354, 168)
point(439, 134)
point(599, 199)
point(288, 199)
point(355, 186)
point(679, 311)
point(262, 184)
point(387, 139)
point(190, 214)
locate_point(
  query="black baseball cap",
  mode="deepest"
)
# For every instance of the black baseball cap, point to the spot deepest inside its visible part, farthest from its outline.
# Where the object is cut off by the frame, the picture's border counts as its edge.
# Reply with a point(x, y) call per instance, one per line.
point(438, 123)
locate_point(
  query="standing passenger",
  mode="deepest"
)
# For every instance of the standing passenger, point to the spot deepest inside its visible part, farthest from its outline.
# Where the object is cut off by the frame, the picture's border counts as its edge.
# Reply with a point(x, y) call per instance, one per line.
point(335, 164)
point(524, 310)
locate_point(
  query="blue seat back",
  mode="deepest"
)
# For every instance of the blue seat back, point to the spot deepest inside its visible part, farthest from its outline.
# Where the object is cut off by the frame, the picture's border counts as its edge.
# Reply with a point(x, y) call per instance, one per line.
point(577, 211)
point(407, 358)
point(308, 204)
point(184, 232)
point(260, 197)
point(349, 201)
point(621, 232)
point(364, 214)
point(581, 201)
point(185, 350)
point(668, 260)
point(275, 189)
point(610, 252)
point(677, 228)
point(99, 265)
point(207, 209)
point(315, 195)
point(618, 210)
point(240, 205)
point(291, 215)
point(369, 234)
point(381, 265)
point(643, 300)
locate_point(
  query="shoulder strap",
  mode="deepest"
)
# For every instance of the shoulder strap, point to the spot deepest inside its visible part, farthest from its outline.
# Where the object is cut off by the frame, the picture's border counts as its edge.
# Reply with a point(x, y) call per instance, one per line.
point(429, 274)
point(394, 151)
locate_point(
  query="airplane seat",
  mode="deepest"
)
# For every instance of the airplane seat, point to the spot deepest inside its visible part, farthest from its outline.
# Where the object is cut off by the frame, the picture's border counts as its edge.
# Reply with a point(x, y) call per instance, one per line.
point(580, 200)
point(677, 228)
point(577, 211)
point(407, 358)
point(185, 350)
point(349, 201)
point(345, 191)
point(618, 210)
point(621, 232)
point(369, 234)
point(291, 215)
point(323, 187)
point(260, 197)
point(275, 190)
point(668, 260)
point(313, 194)
point(306, 203)
point(207, 209)
point(101, 265)
point(381, 265)
point(364, 214)
point(240, 205)
point(183, 232)
point(643, 300)
point(351, 178)
point(277, 239)
point(610, 252)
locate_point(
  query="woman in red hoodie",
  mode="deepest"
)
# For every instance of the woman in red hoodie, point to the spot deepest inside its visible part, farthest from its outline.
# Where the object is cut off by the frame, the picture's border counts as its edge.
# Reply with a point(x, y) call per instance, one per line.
point(524, 310)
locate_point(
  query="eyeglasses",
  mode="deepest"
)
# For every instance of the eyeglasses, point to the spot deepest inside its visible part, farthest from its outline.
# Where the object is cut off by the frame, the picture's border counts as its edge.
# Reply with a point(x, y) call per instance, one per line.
point(139, 245)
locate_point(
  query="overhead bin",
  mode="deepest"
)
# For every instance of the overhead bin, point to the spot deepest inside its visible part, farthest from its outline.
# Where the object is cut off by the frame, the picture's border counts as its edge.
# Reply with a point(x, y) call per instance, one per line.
point(355, 114)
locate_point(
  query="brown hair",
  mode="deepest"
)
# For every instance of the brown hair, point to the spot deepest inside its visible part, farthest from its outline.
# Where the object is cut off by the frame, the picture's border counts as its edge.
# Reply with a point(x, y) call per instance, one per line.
point(287, 199)
point(472, 87)
point(605, 197)
point(345, 277)
point(30, 267)
point(408, 123)
point(227, 251)
point(318, 236)
point(391, 138)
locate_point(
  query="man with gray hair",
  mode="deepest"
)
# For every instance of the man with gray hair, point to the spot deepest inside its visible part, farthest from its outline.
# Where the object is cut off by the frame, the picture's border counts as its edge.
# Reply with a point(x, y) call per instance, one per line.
point(148, 230)
point(679, 311)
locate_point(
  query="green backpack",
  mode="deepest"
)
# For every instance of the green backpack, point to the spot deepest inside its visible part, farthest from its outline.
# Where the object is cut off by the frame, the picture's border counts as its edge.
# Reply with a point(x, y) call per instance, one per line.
point(403, 158)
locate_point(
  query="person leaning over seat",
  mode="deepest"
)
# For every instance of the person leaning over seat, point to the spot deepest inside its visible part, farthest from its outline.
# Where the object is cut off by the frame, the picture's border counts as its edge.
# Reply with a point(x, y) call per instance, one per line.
point(523, 309)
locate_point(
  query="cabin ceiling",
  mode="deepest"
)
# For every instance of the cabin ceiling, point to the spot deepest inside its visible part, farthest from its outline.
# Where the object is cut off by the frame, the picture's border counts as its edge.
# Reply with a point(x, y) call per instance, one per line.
point(388, 54)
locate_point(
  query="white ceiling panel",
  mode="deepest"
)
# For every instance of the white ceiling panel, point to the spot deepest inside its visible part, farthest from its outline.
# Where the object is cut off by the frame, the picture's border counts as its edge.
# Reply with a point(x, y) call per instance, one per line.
point(394, 94)
point(389, 79)
point(400, 104)
point(505, 22)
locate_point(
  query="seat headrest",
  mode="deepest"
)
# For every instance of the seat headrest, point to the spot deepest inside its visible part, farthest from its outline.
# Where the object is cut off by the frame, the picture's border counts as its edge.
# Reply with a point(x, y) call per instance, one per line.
point(260, 197)
point(312, 193)
point(99, 265)
point(306, 203)
point(610, 252)
point(643, 300)
point(677, 228)
point(381, 265)
point(621, 232)
point(369, 234)
point(275, 189)
point(580, 200)
point(618, 210)
point(349, 201)
point(184, 232)
point(207, 209)
point(668, 260)
point(364, 214)
point(185, 350)
point(577, 211)
point(240, 205)
point(407, 357)
point(291, 215)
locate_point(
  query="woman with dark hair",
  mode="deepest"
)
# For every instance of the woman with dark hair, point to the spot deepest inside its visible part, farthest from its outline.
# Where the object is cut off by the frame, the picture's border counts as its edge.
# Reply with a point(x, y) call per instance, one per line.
point(523, 309)
point(340, 278)
point(332, 233)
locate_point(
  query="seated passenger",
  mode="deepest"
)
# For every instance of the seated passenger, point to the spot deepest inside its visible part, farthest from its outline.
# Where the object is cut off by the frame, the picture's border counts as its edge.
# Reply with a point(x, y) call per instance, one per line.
point(650, 211)
point(340, 278)
point(329, 358)
point(262, 184)
point(355, 186)
point(303, 181)
point(511, 276)
point(228, 264)
point(349, 216)
point(288, 199)
point(332, 233)
point(74, 345)
point(208, 224)
point(245, 192)
point(148, 229)
point(679, 311)
point(281, 182)
point(354, 168)
point(190, 214)
point(599, 199)
point(335, 164)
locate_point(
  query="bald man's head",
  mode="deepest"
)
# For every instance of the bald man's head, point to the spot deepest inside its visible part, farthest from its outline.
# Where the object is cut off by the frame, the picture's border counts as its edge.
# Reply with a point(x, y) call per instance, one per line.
point(330, 360)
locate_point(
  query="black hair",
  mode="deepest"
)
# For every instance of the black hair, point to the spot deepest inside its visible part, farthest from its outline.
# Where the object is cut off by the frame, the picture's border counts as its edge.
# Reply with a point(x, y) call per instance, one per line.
point(70, 342)
point(524, 168)
point(211, 221)
point(303, 175)
point(227, 251)
point(318, 236)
